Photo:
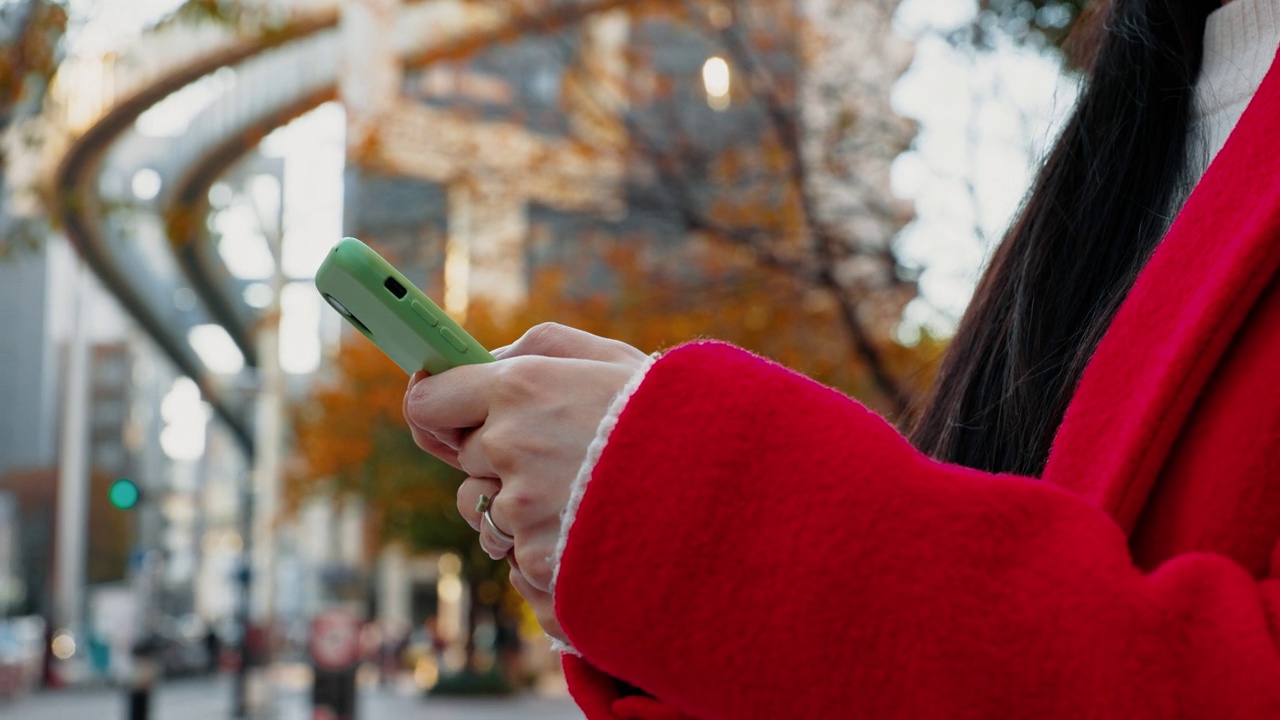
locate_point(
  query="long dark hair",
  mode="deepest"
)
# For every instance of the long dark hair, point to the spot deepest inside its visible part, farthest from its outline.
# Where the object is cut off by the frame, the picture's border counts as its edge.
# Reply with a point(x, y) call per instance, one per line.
point(1097, 210)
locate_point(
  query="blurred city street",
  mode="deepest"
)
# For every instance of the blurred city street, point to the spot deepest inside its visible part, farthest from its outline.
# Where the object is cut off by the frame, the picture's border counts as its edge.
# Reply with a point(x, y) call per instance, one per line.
point(204, 460)
point(210, 698)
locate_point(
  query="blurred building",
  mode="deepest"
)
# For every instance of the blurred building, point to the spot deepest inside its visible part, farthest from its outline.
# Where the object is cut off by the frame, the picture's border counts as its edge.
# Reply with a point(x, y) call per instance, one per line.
point(12, 587)
point(41, 284)
point(128, 386)
point(33, 286)
point(639, 126)
point(475, 173)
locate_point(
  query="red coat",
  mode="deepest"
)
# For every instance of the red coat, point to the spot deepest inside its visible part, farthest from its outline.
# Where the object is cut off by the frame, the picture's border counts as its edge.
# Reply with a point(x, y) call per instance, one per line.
point(753, 545)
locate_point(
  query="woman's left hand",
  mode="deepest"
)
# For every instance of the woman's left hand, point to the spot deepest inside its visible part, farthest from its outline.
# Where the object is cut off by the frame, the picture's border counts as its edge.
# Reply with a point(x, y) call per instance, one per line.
point(520, 428)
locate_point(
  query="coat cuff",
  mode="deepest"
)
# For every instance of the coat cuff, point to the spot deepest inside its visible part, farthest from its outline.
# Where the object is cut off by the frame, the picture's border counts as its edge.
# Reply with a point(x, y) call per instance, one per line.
point(579, 486)
point(601, 697)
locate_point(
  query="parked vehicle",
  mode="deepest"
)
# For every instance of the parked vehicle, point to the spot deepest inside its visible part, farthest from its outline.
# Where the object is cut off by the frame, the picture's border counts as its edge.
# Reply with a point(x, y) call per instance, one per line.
point(182, 646)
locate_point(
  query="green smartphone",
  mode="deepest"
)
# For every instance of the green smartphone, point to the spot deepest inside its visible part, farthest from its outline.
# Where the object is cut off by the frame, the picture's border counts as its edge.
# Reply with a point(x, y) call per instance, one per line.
point(402, 321)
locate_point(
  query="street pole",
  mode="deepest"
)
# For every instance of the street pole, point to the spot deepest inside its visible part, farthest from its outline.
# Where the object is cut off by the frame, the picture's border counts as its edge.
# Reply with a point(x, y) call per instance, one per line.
point(240, 689)
point(146, 566)
point(267, 470)
point(73, 468)
point(269, 433)
point(147, 559)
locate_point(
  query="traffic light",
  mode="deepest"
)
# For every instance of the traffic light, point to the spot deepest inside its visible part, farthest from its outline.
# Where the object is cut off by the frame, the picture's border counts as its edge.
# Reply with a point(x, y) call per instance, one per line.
point(124, 494)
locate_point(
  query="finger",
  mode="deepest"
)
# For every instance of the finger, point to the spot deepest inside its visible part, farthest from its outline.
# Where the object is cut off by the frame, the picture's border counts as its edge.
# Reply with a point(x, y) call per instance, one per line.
point(555, 340)
point(495, 547)
point(523, 586)
point(445, 449)
point(534, 556)
point(444, 444)
point(542, 604)
point(414, 378)
point(451, 439)
point(455, 399)
point(469, 493)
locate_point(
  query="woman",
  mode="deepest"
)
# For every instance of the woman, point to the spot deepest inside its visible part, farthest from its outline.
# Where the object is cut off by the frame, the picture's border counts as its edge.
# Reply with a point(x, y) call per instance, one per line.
point(1084, 522)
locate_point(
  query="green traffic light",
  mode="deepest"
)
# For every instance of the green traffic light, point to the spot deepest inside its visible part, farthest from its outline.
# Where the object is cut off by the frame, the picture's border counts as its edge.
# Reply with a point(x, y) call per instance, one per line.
point(124, 494)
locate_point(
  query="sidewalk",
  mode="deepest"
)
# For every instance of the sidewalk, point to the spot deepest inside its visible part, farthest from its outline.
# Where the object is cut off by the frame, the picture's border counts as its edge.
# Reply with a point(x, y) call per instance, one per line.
point(210, 698)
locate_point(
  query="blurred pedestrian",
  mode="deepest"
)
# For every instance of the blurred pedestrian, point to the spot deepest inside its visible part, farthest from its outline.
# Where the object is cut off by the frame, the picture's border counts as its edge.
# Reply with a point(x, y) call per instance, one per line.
point(212, 648)
point(1082, 522)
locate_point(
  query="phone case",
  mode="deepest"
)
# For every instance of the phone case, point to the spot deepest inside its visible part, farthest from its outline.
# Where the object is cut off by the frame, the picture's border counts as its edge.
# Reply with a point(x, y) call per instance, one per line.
point(374, 297)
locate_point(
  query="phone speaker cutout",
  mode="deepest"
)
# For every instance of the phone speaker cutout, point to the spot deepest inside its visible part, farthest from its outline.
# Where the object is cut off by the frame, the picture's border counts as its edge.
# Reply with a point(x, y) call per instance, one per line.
point(395, 287)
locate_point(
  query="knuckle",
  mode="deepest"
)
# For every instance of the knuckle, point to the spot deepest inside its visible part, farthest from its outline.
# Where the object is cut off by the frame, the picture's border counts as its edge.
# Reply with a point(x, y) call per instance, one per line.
point(498, 449)
point(514, 505)
point(467, 457)
point(517, 379)
point(618, 351)
point(546, 334)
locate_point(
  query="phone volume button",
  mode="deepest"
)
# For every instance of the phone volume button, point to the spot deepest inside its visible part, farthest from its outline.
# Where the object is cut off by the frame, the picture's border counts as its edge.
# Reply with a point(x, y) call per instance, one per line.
point(424, 313)
point(453, 339)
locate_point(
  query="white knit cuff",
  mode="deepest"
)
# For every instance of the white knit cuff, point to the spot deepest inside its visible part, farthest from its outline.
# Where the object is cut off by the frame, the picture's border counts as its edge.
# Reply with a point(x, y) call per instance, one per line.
point(594, 450)
point(579, 487)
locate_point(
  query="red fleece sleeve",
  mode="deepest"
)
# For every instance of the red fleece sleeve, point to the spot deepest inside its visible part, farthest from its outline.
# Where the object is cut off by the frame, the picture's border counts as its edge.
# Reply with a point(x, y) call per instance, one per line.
point(754, 545)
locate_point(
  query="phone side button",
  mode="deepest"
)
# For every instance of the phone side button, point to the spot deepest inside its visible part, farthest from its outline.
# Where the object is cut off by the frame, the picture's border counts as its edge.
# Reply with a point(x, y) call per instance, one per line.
point(424, 313)
point(453, 339)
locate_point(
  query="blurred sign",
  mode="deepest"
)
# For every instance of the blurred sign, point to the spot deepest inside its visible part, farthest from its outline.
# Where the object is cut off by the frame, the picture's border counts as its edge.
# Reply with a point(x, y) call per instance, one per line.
point(335, 651)
point(335, 640)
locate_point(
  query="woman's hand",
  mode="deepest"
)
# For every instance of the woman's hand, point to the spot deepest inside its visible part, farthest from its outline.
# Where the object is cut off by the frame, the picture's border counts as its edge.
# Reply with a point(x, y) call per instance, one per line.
point(520, 428)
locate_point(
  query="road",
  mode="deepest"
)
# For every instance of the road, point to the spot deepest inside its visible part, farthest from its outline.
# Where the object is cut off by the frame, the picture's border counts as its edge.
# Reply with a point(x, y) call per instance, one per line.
point(210, 699)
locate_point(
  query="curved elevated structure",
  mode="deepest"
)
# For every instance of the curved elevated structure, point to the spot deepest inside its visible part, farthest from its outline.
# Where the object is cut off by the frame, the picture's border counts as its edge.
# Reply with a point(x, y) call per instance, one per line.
point(278, 74)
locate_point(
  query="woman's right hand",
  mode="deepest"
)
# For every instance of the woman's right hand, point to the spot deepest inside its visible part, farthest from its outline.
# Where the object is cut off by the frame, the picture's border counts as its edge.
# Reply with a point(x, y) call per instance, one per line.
point(520, 428)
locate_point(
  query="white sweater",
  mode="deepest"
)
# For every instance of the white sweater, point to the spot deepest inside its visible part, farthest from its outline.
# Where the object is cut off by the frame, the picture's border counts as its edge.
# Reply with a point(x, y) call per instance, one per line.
point(1240, 41)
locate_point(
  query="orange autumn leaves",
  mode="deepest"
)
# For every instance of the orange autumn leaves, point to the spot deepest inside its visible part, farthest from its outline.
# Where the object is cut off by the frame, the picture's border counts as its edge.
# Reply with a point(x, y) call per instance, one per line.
point(350, 440)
